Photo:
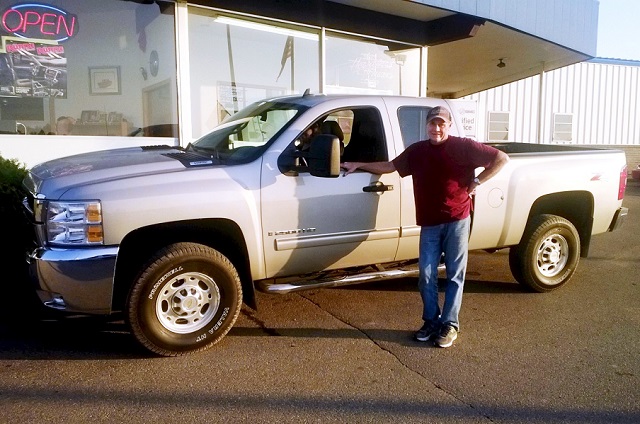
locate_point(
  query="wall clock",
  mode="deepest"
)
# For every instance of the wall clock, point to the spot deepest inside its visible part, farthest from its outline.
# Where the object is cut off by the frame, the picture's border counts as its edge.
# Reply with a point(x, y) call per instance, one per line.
point(154, 63)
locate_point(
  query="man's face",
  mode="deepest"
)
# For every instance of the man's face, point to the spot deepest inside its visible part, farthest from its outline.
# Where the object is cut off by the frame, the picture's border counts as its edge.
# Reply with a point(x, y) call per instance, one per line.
point(438, 130)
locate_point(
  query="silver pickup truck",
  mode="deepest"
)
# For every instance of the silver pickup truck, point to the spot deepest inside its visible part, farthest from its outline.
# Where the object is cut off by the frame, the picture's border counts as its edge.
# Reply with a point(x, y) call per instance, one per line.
point(177, 238)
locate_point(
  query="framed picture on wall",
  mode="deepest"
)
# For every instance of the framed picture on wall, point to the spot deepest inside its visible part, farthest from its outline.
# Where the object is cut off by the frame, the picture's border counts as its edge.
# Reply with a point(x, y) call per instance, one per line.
point(90, 116)
point(114, 118)
point(104, 80)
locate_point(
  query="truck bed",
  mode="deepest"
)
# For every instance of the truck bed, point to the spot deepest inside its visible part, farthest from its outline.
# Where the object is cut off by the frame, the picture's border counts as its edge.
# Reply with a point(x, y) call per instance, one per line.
point(513, 148)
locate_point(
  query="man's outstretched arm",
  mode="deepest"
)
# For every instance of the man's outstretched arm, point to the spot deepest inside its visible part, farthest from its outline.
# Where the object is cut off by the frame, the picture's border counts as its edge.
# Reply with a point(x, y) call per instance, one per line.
point(373, 167)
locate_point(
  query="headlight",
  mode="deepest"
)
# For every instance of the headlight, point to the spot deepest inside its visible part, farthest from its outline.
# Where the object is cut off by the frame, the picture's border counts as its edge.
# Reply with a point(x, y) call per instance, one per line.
point(71, 223)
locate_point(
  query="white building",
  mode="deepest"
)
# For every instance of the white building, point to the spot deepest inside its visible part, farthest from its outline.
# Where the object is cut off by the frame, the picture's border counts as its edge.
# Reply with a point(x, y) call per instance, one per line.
point(596, 102)
point(168, 71)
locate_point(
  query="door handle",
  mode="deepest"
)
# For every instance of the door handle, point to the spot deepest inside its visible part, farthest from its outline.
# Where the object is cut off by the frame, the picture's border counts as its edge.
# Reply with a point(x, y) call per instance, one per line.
point(377, 187)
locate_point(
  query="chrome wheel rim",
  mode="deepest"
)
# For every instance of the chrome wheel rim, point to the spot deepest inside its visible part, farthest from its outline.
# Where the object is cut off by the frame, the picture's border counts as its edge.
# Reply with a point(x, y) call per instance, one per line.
point(552, 255)
point(187, 302)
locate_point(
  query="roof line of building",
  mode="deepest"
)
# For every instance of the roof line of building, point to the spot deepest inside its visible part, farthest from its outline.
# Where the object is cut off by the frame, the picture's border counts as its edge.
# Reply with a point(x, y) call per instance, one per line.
point(614, 61)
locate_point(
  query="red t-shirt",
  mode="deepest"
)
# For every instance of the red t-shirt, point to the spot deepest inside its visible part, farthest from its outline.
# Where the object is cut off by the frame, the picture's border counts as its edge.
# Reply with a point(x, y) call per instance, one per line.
point(441, 176)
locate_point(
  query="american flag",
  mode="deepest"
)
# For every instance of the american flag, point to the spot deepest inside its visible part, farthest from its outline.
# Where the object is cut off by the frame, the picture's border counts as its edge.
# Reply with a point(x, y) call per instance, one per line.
point(286, 54)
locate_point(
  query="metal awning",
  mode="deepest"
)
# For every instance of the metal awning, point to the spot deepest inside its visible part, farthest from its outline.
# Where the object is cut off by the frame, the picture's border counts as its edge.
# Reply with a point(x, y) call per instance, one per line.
point(464, 50)
point(463, 67)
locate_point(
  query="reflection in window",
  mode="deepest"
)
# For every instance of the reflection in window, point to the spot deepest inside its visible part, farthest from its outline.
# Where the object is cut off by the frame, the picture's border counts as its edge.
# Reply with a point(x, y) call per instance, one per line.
point(364, 67)
point(244, 136)
point(234, 63)
point(58, 79)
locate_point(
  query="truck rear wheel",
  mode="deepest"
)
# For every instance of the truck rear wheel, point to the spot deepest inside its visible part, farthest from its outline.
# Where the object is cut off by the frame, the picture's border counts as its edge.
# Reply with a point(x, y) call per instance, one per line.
point(186, 299)
point(548, 254)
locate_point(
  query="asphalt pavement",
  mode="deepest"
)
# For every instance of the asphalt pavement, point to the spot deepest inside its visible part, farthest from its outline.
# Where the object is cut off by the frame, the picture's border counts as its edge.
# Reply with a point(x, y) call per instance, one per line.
point(346, 355)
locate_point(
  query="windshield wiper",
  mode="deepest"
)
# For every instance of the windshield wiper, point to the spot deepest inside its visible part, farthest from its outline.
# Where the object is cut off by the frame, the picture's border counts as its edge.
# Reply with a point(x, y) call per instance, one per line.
point(212, 152)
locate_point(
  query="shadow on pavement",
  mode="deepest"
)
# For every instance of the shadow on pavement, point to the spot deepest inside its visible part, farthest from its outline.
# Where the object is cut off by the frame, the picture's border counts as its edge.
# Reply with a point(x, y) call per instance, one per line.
point(411, 285)
point(30, 332)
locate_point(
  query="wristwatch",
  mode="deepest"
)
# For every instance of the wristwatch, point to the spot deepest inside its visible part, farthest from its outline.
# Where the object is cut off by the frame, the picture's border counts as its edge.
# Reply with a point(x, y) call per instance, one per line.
point(476, 180)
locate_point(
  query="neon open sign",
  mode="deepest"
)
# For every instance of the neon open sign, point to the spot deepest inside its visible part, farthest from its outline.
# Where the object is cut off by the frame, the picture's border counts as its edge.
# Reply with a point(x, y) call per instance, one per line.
point(39, 21)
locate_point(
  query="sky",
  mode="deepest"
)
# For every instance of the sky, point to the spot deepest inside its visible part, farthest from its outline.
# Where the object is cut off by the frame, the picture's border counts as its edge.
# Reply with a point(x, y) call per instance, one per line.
point(618, 29)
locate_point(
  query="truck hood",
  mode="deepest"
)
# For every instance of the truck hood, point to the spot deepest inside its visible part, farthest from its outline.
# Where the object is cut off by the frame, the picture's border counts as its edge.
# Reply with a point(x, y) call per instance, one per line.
point(54, 177)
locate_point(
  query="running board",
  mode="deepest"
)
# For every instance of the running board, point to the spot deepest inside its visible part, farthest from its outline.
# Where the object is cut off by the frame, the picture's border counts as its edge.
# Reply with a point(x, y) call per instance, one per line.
point(268, 286)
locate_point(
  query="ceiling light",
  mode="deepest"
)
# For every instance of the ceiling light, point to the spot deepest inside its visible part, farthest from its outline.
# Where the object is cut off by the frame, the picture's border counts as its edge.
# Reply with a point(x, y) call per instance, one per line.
point(266, 27)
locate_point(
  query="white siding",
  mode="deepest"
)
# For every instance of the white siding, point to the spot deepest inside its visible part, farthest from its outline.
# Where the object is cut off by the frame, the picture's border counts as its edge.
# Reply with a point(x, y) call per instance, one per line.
point(519, 99)
point(602, 96)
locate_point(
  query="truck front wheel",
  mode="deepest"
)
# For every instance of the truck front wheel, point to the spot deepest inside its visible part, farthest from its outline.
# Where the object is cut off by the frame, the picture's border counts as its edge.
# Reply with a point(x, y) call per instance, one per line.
point(548, 254)
point(186, 299)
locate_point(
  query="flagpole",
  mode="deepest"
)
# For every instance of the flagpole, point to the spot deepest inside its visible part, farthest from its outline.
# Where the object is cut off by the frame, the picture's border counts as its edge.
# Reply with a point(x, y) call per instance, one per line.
point(293, 55)
point(234, 90)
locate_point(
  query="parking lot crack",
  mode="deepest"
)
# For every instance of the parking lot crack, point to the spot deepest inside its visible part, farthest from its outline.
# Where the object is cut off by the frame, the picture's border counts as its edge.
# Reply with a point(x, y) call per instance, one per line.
point(395, 357)
point(251, 316)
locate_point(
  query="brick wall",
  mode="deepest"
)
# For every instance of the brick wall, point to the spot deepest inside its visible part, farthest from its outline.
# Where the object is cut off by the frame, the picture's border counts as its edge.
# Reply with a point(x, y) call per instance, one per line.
point(633, 156)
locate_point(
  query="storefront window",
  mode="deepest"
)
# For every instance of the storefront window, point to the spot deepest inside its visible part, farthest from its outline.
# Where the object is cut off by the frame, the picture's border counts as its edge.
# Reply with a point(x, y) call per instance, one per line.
point(88, 67)
point(362, 66)
point(235, 62)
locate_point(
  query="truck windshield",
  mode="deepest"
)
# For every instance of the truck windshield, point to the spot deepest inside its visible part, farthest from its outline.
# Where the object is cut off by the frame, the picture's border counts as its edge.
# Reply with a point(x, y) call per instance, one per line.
point(243, 137)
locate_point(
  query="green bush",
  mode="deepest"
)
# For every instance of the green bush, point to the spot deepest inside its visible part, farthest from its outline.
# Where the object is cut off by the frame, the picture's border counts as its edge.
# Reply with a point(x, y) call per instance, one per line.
point(11, 192)
point(16, 229)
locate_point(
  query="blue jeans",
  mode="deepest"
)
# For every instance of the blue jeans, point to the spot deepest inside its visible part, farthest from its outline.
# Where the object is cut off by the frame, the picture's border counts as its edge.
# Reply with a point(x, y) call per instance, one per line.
point(452, 239)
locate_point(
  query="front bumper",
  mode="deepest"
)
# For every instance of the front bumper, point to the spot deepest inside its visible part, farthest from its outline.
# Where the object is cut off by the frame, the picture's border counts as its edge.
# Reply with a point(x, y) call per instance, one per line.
point(74, 280)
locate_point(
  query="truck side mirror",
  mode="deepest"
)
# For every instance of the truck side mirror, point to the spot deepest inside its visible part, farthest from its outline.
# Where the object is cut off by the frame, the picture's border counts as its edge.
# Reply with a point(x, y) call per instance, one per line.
point(324, 156)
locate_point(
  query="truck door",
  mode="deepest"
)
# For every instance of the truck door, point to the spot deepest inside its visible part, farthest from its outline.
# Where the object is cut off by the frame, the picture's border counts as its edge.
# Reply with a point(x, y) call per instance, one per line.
point(312, 224)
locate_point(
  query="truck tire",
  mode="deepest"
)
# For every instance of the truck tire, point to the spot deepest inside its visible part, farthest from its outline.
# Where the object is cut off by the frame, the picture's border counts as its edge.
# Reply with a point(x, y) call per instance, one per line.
point(186, 299)
point(547, 255)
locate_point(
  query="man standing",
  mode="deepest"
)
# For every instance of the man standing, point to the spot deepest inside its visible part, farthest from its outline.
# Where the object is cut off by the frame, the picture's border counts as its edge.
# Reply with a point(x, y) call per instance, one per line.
point(443, 169)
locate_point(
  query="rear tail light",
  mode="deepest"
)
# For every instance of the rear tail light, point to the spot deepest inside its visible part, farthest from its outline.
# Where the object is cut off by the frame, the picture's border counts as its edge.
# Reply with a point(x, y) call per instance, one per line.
point(622, 187)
